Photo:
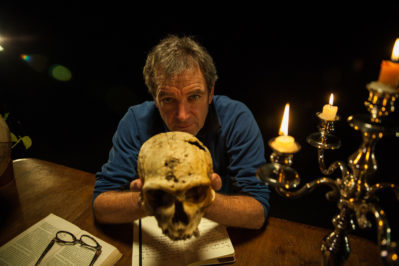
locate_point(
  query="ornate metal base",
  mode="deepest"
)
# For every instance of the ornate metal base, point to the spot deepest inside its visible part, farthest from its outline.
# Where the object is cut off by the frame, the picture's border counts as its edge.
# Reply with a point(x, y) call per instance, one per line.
point(354, 191)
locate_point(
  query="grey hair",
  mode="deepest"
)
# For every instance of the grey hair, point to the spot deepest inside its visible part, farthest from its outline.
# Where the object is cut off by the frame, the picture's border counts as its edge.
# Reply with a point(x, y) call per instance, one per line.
point(172, 56)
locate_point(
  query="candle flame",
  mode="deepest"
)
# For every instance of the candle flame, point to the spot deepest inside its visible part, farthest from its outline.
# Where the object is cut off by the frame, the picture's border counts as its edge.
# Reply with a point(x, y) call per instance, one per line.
point(331, 101)
point(395, 51)
point(284, 123)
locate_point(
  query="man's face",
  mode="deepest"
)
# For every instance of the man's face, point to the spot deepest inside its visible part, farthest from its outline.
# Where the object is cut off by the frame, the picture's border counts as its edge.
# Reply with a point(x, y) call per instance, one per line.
point(183, 101)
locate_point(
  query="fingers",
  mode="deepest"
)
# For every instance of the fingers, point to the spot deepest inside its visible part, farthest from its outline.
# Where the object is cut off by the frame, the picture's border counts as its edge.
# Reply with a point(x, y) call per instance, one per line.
point(216, 182)
point(136, 185)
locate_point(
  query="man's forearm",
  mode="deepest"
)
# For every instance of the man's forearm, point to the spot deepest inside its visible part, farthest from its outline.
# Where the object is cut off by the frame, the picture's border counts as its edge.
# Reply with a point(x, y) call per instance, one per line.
point(118, 207)
point(237, 211)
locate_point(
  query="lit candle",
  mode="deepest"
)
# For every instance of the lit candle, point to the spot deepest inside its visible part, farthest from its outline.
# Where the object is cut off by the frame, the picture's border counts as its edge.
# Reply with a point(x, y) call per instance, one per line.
point(285, 143)
point(389, 72)
point(329, 110)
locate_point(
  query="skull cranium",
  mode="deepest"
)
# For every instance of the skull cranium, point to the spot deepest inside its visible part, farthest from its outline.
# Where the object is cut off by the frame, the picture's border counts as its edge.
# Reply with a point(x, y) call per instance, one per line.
point(176, 168)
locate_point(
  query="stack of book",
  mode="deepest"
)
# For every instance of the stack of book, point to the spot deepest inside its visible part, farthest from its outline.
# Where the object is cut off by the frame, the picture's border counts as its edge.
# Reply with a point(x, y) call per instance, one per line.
point(152, 247)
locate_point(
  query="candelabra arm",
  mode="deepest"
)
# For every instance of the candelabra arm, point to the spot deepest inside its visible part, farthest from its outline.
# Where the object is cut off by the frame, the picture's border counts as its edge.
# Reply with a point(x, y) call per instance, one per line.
point(309, 187)
point(328, 171)
point(380, 186)
point(388, 250)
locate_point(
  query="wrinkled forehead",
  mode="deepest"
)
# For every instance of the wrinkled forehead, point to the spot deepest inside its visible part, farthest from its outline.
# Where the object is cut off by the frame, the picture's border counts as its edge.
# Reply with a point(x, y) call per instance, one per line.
point(173, 78)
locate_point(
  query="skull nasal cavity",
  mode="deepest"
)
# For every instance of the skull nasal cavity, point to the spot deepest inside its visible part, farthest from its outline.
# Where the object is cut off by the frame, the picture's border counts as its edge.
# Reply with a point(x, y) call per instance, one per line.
point(180, 215)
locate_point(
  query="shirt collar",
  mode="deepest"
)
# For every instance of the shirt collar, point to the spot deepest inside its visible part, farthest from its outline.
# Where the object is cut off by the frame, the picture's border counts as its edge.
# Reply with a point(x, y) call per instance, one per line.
point(212, 123)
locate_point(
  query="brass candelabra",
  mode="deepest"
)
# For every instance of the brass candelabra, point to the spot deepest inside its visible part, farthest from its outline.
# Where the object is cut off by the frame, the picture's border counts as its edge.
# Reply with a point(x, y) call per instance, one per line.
point(354, 191)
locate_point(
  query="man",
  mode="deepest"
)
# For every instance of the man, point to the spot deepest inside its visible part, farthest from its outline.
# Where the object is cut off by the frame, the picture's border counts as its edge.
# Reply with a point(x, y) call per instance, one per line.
point(181, 76)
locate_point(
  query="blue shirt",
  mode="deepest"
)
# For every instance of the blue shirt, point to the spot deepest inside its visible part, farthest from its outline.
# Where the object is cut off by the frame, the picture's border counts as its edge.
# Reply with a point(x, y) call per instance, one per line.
point(230, 132)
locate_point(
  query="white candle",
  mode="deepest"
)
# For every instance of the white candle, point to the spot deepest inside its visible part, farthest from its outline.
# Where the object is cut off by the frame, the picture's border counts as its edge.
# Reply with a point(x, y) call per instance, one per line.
point(329, 110)
point(284, 143)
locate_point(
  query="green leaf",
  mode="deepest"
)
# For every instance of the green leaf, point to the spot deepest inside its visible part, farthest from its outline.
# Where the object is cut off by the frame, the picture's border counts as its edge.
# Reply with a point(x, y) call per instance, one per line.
point(27, 142)
point(13, 137)
point(5, 116)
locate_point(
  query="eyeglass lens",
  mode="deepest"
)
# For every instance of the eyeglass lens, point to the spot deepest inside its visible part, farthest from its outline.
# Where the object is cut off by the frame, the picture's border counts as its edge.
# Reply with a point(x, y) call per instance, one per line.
point(67, 237)
point(89, 241)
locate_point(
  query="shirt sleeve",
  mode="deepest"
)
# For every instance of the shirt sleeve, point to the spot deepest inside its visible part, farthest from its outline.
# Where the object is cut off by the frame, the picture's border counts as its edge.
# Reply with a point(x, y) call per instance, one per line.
point(120, 168)
point(245, 149)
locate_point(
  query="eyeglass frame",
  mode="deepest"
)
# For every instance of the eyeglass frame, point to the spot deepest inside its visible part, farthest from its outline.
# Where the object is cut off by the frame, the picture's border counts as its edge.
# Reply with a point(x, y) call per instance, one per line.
point(74, 241)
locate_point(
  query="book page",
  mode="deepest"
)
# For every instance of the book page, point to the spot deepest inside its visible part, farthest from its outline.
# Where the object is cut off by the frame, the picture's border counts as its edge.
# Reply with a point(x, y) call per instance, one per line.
point(157, 249)
point(26, 248)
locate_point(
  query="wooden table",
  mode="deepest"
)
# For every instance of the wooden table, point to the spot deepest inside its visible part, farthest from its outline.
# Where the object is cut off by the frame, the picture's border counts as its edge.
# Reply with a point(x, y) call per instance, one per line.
point(41, 187)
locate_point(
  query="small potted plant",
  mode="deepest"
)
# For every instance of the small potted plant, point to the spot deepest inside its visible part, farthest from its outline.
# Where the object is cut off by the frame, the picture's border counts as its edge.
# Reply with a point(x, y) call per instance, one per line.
point(8, 141)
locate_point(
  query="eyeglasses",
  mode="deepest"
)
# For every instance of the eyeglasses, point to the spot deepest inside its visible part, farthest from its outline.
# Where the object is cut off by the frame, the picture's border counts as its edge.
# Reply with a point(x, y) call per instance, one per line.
point(67, 238)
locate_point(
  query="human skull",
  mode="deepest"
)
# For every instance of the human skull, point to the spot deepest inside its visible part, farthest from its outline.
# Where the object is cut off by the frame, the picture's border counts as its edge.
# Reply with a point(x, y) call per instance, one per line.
point(176, 169)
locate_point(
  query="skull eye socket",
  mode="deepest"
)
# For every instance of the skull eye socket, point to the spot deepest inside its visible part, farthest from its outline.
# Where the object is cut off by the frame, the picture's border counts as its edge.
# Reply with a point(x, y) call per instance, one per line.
point(197, 194)
point(159, 198)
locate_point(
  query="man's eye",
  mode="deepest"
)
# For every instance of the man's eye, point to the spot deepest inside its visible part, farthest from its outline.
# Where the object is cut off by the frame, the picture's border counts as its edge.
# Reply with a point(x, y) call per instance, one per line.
point(195, 97)
point(167, 100)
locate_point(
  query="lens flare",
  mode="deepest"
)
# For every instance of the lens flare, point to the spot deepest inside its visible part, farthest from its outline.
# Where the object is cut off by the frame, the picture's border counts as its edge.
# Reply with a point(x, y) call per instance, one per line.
point(37, 62)
point(60, 73)
point(26, 58)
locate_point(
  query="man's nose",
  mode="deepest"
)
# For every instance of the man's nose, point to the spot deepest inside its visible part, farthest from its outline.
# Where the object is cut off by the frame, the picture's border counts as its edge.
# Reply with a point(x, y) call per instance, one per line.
point(182, 111)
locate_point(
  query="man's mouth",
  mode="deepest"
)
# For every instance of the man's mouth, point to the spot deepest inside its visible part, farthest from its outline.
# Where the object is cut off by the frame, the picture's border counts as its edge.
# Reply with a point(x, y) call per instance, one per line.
point(182, 127)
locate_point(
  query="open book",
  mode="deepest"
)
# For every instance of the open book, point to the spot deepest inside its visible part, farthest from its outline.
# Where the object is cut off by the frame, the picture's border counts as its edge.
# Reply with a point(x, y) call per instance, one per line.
point(152, 247)
point(27, 247)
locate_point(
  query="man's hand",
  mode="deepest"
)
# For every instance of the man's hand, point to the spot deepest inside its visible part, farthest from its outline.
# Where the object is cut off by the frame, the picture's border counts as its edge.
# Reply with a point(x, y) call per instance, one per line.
point(136, 185)
point(216, 182)
point(239, 211)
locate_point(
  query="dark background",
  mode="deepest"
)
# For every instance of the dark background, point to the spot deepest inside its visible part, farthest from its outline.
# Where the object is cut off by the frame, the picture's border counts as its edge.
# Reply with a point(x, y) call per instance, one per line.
point(265, 56)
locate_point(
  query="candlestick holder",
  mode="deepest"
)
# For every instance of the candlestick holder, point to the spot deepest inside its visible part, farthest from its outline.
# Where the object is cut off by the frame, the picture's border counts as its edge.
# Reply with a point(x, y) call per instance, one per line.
point(324, 139)
point(354, 189)
point(381, 100)
point(279, 171)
